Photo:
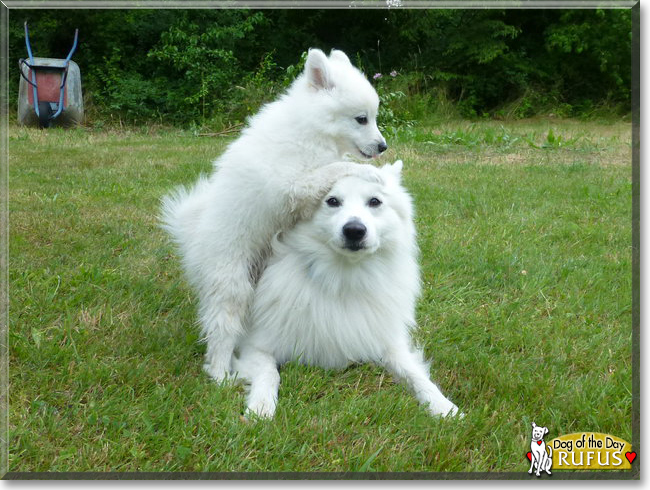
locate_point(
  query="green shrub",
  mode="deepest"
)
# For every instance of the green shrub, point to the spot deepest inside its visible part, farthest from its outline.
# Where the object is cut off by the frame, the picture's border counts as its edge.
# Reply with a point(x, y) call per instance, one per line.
point(198, 67)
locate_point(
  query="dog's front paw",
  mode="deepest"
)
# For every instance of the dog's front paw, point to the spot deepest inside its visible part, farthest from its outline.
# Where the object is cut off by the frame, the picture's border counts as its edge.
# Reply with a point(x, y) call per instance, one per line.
point(370, 173)
point(445, 409)
point(217, 373)
point(454, 412)
point(264, 409)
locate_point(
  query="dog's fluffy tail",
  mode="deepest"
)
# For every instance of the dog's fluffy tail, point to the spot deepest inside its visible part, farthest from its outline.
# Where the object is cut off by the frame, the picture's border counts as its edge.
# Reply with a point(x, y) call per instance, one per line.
point(181, 209)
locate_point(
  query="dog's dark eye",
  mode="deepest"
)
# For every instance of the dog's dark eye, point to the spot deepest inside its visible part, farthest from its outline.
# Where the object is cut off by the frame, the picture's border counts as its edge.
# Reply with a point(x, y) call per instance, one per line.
point(361, 119)
point(333, 202)
point(374, 202)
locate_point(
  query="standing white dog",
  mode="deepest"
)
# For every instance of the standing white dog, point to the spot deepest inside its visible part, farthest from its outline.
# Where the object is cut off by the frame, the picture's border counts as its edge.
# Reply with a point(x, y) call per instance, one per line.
point(276, 172)
point(341, 288)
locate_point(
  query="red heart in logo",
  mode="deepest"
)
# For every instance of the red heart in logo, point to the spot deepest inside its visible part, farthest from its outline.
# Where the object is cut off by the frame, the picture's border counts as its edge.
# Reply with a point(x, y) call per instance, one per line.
point(529, 455)
point(539, 443)
point(630, 457)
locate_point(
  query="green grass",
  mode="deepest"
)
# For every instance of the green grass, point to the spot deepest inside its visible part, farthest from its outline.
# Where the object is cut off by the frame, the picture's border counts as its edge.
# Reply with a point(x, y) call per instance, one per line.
point(525, 232)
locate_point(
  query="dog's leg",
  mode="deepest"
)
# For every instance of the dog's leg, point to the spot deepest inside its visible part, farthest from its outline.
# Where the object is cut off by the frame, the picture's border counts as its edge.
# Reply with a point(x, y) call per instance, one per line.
point(409, 366)
point(532, 462)
point(541, 461)
point(222, 310)
point(218, 356)
point(548, 457)
point(536, 459)
point(260, 369)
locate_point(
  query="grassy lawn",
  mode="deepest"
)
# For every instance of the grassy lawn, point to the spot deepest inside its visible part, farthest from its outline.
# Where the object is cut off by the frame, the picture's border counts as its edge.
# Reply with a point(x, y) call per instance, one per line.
point(525, 232)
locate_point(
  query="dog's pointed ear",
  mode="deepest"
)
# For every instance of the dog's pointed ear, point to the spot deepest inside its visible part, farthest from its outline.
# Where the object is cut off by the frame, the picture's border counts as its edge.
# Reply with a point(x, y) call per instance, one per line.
point(339, 55)
point(545, 430)
point(316, 68)
point(395, 170)
point(534, 425)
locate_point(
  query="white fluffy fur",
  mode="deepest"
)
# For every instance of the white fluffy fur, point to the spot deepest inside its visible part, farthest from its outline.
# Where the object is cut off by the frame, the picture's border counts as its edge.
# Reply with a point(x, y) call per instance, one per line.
point(274, 173)
point(329, 301)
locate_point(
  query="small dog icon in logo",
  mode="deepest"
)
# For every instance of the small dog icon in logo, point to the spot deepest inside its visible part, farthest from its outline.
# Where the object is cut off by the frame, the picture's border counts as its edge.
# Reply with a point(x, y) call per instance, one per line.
point(539, 458)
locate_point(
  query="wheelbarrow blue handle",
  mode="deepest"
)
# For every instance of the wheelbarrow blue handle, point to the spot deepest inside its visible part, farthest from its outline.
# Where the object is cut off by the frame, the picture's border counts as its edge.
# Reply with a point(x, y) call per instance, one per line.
point(29, 48)
point(22, 62)
point(64, 77)
point(74, 46)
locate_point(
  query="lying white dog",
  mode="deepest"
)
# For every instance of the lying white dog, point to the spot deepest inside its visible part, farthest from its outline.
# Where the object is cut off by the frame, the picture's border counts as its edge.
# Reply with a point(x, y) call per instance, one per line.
point(341, 288)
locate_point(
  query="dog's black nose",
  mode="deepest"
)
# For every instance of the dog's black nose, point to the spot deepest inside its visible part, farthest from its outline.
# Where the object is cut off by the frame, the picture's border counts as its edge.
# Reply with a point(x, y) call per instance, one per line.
point(354, 230)
point(382, 147)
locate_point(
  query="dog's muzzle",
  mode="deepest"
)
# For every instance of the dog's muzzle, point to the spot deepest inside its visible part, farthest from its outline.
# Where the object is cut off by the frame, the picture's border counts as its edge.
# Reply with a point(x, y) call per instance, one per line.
point(354, 232)
point(372, 151)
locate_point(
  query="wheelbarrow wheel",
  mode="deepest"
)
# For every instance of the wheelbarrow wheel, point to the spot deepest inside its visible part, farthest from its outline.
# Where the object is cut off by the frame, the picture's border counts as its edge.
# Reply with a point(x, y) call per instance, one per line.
point(44, 114)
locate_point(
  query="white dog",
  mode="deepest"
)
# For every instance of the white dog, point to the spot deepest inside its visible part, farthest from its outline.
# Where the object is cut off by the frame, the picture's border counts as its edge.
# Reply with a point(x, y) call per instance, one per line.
point(341, 288)
point(274, 173)
point(539, 458)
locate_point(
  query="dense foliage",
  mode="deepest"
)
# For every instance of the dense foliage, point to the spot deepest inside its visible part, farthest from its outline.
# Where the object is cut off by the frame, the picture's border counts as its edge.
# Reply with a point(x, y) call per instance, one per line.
point(199, 66)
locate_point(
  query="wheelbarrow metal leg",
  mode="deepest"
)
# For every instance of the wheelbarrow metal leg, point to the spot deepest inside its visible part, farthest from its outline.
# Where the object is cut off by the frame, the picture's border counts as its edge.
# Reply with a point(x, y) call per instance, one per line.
point(31, 62)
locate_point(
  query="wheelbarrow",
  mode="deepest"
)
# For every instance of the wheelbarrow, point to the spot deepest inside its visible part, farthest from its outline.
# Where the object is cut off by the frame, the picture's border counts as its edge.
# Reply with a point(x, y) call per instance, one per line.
point(50, 89)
